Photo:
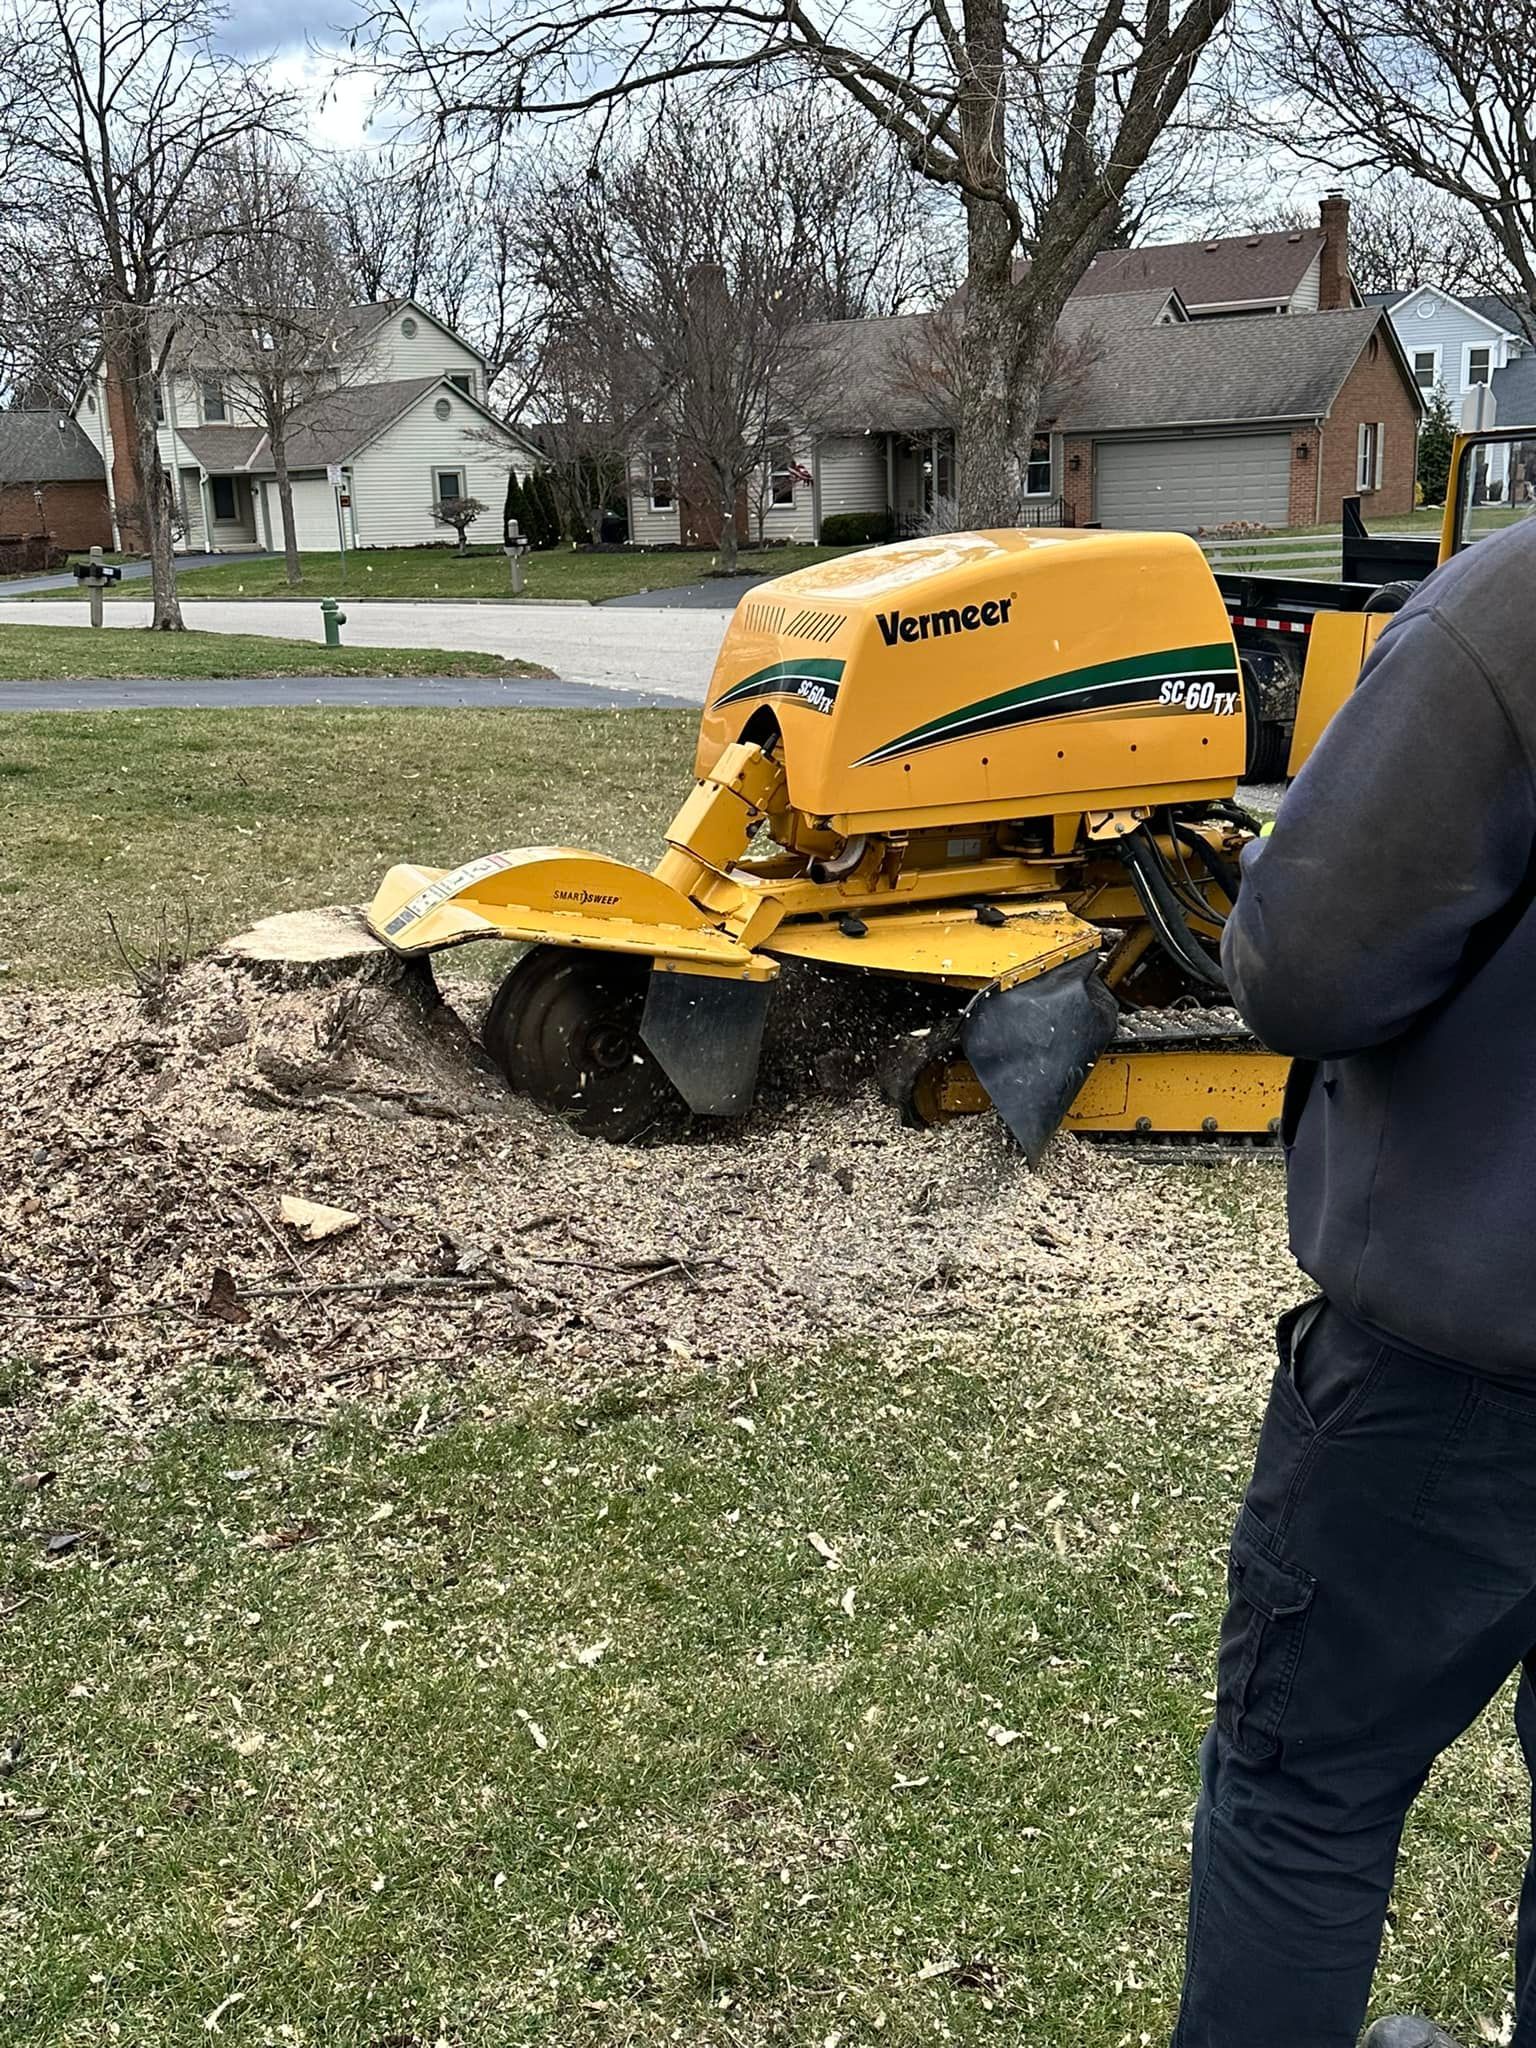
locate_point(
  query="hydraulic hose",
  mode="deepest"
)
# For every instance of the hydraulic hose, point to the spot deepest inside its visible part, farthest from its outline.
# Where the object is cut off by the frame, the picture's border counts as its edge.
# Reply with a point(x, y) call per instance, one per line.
point(1158, 899)
point(1226, 874)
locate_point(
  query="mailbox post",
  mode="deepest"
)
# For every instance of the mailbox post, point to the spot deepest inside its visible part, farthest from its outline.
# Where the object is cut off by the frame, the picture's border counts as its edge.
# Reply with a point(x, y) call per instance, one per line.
point(95, 574)
point(516, 544)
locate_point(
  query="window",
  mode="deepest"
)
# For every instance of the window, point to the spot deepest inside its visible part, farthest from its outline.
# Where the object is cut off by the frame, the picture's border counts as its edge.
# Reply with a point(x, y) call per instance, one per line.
point(443, 409)
point(449, 484)
point(659, 478)
point(1497, 486)
point(213, 400)
point(1426, 368)
point(159, 406)
point(223, 489)
point(781, 469)
point(1479, 366)
point(1368, 466)
point(1037, 478)
point(408, 328)
point(464, 380)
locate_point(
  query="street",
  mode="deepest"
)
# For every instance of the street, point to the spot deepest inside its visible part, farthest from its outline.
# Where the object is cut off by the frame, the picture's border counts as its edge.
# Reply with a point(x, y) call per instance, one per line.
point(668, 651)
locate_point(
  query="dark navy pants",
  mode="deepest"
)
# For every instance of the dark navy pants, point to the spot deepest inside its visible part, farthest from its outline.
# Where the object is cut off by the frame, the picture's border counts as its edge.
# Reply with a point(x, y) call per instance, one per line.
point(1382, 1587)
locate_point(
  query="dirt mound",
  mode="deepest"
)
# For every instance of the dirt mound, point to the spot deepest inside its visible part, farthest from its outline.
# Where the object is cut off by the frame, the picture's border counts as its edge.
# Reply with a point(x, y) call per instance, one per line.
point(149, 1148)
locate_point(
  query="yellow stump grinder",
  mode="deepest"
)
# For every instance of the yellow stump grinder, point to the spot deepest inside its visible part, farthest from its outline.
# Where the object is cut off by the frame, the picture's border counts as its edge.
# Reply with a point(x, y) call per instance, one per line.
point(987, 780)
point(998, 768)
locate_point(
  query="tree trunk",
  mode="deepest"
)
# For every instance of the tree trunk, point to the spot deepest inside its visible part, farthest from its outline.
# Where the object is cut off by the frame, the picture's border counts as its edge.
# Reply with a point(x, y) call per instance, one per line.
point(989, 482)
point(145, 520)
point(277, 434)
point(725, 561)
point(154, 485)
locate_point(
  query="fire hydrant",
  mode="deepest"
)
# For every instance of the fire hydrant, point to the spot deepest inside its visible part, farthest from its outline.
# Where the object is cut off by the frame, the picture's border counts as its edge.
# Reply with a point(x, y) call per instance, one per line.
point(333, 618)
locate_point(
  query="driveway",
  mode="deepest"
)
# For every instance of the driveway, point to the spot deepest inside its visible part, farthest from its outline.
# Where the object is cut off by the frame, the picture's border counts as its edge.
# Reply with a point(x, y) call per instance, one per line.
point(358, 692)
point(655, 652)
point(132, 572)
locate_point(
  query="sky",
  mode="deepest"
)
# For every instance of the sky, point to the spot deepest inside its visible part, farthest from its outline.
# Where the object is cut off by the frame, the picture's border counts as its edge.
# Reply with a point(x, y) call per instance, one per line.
point(306, 46)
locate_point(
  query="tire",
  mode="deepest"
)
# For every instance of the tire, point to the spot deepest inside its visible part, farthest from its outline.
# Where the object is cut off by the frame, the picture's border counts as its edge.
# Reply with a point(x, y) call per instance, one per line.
point(1269, 750)
point(564, 1028)
point(1390, 598)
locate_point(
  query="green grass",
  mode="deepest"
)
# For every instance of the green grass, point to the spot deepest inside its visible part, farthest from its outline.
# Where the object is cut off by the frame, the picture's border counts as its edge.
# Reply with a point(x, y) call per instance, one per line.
point(439, 573)
point(237, 813)
point(279, 1782)
point(68, 653)
point(553, 1728)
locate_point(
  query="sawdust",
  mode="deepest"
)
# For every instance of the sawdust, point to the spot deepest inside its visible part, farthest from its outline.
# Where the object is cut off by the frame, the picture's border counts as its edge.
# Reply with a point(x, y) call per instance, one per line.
point(146, 1157)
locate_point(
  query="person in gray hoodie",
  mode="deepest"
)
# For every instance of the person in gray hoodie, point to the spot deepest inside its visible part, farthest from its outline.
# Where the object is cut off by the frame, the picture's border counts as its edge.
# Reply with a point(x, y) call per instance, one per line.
point(1382, 1574)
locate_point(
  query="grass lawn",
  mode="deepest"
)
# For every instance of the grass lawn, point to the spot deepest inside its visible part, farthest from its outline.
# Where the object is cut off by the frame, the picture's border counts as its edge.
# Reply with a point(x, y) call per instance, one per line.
point(236, 813)
point(438, 572)
point(468, 1717)
point(481, 1719)
point(31, 654)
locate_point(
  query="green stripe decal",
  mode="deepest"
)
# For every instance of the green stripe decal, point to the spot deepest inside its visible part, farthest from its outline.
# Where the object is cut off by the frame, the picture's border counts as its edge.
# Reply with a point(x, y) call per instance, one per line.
point(1106, 686)
point(814, 677)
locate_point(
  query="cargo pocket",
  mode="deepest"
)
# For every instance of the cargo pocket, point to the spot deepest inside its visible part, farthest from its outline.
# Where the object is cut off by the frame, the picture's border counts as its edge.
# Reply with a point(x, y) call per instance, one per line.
point(1261, 1635)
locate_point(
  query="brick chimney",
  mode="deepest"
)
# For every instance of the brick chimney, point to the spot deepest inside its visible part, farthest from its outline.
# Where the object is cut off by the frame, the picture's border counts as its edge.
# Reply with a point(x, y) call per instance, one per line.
point(126, 506)
point(1333, 271)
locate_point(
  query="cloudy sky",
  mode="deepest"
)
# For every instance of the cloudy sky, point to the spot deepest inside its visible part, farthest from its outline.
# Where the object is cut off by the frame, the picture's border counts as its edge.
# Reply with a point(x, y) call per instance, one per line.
point(306, 44)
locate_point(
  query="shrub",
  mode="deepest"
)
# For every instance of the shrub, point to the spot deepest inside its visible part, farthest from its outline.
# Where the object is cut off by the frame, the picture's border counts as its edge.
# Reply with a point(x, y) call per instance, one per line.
point(853, 529)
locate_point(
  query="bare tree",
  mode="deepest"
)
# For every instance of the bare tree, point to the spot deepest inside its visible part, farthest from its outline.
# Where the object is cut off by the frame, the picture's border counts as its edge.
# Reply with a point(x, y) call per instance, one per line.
point(1402, 235)
point(1440, 94)
point(1038, 114)
point(47, 330)
point(118, 109)
point(276, 321)
point(449, 237)
point(680, 281)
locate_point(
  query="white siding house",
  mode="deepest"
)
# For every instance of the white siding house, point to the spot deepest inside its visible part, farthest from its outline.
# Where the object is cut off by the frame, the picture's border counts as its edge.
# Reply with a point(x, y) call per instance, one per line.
point(407, 428)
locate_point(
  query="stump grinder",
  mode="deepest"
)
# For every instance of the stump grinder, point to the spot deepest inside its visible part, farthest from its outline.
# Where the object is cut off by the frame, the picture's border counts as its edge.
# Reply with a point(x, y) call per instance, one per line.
point(992, 776)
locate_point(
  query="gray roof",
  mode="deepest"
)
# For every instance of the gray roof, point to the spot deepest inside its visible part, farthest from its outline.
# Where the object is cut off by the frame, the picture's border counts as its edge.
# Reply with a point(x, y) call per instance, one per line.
point(1234, 270)
point(1116, 368)
point(1501, 311)
point(1514, 392)
point(333, 428)
point(886, 375)
point(46, 448)
point(1220, 372)
point(326, 430)
point(220, 450)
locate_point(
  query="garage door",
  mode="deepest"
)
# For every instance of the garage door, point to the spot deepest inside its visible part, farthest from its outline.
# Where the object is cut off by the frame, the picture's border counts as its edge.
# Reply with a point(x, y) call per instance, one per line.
point(1182, 485)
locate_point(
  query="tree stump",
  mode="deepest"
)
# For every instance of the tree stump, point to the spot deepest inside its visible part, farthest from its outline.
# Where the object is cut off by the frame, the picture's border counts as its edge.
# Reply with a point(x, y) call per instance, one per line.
point(320, 949)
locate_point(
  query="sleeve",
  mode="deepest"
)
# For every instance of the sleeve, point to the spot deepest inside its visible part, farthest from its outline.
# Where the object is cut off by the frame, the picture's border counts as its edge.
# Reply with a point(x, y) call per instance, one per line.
point(1413, 822)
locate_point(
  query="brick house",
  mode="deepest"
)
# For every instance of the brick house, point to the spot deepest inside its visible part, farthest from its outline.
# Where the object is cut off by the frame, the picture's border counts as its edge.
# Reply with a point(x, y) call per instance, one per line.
point(53, 488)
point(1196, 384)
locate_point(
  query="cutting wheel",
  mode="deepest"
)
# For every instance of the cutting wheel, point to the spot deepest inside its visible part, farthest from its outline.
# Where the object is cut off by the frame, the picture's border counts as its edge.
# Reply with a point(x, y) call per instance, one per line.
point(564, 1028)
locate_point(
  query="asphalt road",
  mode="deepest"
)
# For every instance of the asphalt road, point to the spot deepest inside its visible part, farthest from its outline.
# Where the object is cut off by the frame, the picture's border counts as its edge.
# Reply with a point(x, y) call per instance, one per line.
point(663, 652)
point(360, 692)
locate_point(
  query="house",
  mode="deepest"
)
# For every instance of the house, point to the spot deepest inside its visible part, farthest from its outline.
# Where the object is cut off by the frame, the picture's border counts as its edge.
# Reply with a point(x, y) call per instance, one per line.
point(1454, 344)
point(1172, 403)
point(53, 489)
point(1298, 270)
point(410, 427)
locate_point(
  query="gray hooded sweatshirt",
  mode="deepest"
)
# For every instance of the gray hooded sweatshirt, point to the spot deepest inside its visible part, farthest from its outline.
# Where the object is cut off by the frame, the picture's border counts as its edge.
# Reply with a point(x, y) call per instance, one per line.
point(1386, 937)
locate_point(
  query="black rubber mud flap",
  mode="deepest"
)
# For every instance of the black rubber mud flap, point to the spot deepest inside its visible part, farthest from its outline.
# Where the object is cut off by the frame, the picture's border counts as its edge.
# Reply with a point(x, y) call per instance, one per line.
point(706, 1034)
point(1032, 1046)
